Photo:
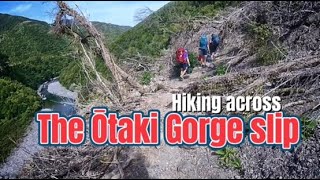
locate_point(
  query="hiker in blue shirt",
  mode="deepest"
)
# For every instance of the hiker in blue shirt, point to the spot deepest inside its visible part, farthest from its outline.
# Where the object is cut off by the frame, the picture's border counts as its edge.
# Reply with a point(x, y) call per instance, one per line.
point(215, 41)
point(203, 50)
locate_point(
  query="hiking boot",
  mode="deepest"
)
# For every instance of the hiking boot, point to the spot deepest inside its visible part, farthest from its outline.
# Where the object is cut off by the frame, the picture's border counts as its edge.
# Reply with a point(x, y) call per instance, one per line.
point(181, 78)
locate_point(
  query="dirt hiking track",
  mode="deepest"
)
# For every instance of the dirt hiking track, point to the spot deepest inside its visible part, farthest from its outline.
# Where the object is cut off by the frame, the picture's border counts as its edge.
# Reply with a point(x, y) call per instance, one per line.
point(167, 161)
point(159, 162)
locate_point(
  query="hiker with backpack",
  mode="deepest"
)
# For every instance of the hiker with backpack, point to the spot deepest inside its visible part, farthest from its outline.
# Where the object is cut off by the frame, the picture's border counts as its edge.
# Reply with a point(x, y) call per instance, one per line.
point(203, 50)
point(183, 61)
point(215, 41)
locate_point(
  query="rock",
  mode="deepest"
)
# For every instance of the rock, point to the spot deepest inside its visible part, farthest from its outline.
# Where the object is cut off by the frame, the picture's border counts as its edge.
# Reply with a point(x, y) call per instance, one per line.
point(268, 84)
point(117, 176)
point(134, 94)
point(187, 147)
point(107, 176)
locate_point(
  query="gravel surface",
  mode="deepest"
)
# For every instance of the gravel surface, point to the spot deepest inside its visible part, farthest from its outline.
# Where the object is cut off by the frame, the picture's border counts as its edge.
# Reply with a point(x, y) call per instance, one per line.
point(57, 89)
point(23, 152)
point(266, 162)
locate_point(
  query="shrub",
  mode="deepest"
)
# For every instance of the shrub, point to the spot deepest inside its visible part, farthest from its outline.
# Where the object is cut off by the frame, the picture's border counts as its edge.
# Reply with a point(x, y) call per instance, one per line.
point(221, 70)
point(261, 34)
point(308, 127)
point(229, 158)
point(193, 60)
point(146, 78)
point(267, 55)
point(265, 45)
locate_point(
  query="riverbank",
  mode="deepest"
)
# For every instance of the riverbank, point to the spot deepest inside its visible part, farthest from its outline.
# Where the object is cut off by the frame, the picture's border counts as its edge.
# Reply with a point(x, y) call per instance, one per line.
point(57, 89)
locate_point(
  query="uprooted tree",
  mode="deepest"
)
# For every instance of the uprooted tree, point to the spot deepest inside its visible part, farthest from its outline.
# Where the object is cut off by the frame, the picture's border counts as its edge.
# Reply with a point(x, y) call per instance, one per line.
point(75, 27)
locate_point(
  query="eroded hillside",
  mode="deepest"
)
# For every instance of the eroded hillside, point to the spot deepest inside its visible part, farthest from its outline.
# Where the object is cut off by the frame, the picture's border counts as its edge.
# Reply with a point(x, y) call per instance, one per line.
point(270, 49)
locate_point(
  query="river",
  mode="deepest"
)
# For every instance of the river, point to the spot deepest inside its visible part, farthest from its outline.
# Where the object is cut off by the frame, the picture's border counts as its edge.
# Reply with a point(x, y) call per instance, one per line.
point(55, 97)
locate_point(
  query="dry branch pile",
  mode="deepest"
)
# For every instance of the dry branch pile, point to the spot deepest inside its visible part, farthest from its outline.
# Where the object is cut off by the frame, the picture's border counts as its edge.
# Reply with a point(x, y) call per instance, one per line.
point(293, 82)
point(84, 162)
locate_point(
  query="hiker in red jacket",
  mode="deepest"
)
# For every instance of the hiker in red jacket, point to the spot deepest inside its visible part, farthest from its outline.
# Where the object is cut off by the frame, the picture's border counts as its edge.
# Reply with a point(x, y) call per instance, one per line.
point(183, 60)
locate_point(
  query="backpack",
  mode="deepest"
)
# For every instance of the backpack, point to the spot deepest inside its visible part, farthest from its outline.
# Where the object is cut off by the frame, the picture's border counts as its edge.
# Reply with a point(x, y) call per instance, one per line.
point(203, 42)
point(180, 55)
point(215, 39)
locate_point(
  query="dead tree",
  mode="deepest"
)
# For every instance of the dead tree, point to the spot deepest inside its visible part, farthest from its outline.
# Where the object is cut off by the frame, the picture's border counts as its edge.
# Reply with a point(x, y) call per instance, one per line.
point(142, 14)
point(121, 77)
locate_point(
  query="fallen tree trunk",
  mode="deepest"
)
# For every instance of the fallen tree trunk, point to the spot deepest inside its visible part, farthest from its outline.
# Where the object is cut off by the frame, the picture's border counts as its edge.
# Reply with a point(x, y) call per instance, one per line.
point(118, 74)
